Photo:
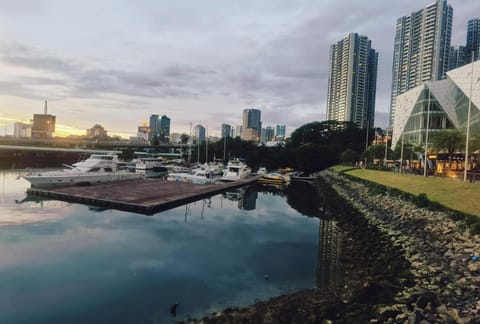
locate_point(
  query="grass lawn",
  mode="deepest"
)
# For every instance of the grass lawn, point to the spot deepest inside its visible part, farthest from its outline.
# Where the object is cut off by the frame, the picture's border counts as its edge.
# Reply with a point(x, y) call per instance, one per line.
point(455, 194)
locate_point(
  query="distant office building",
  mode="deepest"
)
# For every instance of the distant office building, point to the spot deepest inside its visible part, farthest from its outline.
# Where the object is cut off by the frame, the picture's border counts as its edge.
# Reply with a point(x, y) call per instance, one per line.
point(200, 133)
point(164, 129)
point(226, 131)
point(421, 49)
point(252, 125)
point(268, 134)
point(142, 133)
point(43, 125)
point(97, 132)
point(280, 131)
point(154, 127)
point(237, 132)
point(473, 40)
point(22, 130)
point(457, 57)
point(175, 137)
point(352, 80)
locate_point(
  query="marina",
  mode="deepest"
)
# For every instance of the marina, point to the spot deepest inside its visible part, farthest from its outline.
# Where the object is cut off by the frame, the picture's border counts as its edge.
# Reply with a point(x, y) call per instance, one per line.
point(145, 196)
point(68, 262)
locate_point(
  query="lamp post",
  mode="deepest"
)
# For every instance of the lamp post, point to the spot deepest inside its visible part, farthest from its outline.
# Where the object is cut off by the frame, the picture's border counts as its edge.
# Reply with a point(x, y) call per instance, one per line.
point(366, 145)
point(426, 137)
point(386, 149)
point(401, 153)
point(468, 122)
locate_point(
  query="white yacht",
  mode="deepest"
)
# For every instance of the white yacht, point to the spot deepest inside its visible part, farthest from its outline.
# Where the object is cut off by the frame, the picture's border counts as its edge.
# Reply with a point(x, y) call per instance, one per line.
point(149, 163)
point(97, 168)
point(196, 176)
point(236, 169)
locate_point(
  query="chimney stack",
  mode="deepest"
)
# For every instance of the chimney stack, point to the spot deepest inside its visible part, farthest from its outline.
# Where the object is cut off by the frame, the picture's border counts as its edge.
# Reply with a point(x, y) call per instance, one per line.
point(45, 107)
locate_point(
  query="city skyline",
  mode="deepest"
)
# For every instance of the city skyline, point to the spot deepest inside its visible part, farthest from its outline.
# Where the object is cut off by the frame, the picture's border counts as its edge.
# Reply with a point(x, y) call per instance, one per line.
point(196, 63)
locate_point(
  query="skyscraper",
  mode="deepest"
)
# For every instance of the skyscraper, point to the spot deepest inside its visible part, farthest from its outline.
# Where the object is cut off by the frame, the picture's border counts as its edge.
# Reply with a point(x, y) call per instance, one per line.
point(153, 127)
point(352, 80)
point(164, 129)
point(200, 133)
point(473, 40)
point(421, 49)
point(457, 57)
point(252, 125)
point(226, 130)
point(280, 131)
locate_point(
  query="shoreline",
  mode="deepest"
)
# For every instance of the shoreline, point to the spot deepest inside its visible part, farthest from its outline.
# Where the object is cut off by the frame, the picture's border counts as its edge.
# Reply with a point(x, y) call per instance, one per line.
point(401, 263)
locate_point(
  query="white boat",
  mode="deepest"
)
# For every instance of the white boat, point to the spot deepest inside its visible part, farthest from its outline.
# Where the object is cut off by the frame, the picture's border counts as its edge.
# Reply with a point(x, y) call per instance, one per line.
point(149, 163)
point(97, 168)
point(236, 169)
point(262, 170)
point(197, 176)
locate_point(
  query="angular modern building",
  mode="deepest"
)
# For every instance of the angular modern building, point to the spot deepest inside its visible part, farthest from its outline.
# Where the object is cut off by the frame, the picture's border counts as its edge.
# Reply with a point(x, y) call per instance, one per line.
point(421, 49)
point(442, 104)
point(352, 80)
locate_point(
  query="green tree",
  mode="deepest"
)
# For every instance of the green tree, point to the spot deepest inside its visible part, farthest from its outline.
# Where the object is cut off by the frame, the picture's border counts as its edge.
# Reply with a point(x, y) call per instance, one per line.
point(450, 140)
point(184, 138)
point(349, 156)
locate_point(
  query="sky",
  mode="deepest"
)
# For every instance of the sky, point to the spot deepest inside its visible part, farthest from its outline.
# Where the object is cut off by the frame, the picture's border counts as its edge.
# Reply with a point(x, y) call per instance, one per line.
point(116, 62)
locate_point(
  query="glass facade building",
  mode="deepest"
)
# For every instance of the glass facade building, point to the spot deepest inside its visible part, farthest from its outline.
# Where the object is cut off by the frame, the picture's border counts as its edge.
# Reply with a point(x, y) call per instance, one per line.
point(442, 104)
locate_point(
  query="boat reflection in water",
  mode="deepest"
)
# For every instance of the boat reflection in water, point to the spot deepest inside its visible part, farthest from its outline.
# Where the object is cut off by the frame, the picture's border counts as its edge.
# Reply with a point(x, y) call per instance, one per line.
point(245, 196)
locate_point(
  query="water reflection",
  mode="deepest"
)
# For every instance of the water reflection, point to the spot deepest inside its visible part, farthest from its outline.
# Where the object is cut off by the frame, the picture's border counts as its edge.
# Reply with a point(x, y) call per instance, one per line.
point(329, 251)
point(77, 264)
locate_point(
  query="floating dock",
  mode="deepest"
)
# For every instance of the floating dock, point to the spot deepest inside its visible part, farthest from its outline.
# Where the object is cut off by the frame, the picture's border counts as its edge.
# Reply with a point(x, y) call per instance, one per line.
point(145, 196)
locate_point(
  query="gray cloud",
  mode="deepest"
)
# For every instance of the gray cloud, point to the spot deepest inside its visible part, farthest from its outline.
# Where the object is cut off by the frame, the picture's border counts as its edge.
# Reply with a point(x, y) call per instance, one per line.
point(270, 55)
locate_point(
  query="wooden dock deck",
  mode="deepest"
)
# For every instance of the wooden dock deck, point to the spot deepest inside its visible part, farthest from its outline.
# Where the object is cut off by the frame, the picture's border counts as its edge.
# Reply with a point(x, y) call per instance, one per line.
point(146, 196)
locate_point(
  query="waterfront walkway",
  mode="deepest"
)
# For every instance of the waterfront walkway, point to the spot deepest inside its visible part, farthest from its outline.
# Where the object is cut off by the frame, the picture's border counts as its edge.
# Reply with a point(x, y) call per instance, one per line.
point(452, 193)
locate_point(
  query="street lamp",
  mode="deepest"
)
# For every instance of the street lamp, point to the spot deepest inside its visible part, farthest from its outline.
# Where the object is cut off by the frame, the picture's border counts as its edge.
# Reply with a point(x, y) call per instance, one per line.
point(426, 136)
point(468, 122)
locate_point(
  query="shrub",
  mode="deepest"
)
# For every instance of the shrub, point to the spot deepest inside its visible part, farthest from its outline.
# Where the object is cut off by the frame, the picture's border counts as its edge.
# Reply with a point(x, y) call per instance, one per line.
point(422, 200)
point(475, 228)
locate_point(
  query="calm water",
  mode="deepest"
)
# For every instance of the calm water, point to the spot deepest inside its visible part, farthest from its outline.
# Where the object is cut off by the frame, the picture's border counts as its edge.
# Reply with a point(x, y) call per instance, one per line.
point(68, 263)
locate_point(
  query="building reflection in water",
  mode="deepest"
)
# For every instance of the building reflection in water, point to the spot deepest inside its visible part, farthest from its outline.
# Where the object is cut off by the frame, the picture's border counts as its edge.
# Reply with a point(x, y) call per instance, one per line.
point(329, 249)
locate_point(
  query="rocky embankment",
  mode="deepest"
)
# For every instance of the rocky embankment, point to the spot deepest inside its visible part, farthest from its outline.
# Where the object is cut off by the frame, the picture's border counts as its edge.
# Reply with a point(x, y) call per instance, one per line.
point(441, 256)
point(400, 263)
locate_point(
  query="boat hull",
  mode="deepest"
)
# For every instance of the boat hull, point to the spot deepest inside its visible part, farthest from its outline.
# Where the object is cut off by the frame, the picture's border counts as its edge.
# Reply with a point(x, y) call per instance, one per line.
point(51, 180)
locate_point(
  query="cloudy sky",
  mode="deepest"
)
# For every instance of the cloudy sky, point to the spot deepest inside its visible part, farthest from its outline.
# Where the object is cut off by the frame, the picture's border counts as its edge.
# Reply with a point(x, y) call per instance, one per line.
point(116, 62)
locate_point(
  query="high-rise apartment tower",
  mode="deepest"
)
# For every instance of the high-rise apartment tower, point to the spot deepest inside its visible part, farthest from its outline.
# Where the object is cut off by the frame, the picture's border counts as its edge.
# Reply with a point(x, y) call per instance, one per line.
point(421, 49)
point(352, 80)
point(473, 40)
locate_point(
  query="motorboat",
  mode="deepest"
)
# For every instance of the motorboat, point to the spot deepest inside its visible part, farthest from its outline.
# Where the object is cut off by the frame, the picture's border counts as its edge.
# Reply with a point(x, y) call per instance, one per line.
point(196, 176)
point(273, 178)
point(97, 168)
point(236, 169)
point(149, 163)
point(262, 170)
